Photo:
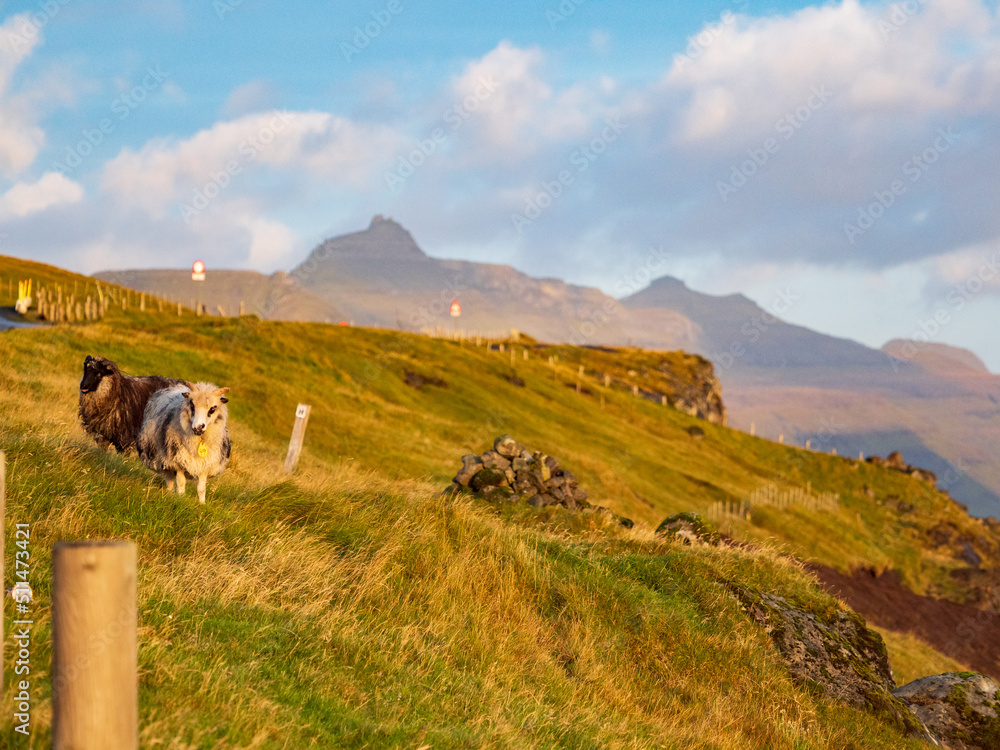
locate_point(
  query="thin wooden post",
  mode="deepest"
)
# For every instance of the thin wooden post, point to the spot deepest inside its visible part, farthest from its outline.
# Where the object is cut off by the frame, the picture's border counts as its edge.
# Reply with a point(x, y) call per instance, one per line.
point(298, 436)
point(95, 686)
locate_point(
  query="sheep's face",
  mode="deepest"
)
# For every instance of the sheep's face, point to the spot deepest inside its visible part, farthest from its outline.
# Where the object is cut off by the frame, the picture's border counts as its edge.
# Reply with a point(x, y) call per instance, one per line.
point(95, 369)
point(205, 405)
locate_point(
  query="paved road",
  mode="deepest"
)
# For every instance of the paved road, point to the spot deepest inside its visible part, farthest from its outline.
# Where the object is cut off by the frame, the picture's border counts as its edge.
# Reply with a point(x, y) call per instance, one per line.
point(4, 324)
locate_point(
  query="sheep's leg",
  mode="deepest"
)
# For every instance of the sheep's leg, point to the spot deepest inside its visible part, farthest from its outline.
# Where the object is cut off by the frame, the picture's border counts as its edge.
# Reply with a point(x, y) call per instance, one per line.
point(170, 482)
point(202, 485)
point(181, 483)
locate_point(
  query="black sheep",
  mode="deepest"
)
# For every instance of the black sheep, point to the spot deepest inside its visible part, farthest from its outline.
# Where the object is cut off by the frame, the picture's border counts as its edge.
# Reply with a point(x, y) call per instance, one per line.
point(112, 404)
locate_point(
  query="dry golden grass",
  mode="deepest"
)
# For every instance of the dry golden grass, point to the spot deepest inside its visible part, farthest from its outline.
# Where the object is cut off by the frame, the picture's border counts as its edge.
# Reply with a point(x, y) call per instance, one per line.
point(352, 605)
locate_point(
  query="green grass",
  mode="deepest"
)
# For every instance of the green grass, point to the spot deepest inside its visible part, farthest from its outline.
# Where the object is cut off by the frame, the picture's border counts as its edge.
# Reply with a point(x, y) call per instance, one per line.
point(351, 605)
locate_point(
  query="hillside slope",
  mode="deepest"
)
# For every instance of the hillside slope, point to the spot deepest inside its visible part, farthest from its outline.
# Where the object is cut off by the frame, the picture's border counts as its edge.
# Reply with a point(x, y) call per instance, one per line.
point(785, 379)
point(351, 605)
point(931, 401)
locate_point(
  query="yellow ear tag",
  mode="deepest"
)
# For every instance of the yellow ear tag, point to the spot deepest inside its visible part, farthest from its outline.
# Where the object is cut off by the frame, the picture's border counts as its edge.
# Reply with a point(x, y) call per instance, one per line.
point(202, 449)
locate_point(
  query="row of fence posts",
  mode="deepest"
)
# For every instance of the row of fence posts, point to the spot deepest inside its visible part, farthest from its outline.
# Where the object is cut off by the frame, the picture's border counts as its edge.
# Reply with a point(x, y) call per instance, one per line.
point(52, 307)
point(503, 342)
point(771, 496)
point(95, 683)
point(808, 446)
point(59, 306)
point(553, 362)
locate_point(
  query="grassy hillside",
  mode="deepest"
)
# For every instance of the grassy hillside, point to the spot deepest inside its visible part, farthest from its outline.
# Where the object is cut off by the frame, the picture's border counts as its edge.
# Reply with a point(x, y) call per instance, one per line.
point(351, 605)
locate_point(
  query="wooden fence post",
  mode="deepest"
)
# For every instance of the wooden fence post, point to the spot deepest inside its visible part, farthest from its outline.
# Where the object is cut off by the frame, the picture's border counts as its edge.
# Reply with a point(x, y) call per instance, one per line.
point(298, 435)
point(95, 687)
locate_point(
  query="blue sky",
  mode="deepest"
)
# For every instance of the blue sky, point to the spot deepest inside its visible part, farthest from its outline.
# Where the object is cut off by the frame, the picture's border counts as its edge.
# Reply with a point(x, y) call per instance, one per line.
point(838, 155)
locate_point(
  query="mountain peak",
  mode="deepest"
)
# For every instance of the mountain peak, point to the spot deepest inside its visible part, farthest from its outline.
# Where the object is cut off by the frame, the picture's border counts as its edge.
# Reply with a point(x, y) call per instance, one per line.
point(384, 239)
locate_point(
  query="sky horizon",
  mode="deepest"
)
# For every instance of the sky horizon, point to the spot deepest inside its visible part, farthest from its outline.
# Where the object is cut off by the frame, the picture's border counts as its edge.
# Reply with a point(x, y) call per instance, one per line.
point(836, 155)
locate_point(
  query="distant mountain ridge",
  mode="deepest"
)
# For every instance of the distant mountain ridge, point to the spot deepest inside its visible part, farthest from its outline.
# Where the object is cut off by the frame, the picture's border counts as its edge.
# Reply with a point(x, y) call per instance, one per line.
point(781, 378)
point(737, 332)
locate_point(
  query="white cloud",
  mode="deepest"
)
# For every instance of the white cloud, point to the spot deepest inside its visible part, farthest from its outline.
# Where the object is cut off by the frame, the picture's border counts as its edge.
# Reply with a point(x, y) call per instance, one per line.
point(272, 245)
point(53, 189)
point(879, 63)
point(975, 268)
point(515, 112)
point(229, 154)
point(20, 137)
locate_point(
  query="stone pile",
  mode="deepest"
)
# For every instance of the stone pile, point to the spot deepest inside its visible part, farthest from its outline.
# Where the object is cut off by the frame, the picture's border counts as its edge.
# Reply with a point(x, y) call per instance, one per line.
point(511, 472)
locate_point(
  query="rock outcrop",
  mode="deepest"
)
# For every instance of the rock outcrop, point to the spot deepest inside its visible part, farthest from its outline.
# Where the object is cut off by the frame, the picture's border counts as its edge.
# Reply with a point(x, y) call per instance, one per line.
point(512, 472)
point(833, 651)
point(690, 528)
point(961, 709)
point(895, 462)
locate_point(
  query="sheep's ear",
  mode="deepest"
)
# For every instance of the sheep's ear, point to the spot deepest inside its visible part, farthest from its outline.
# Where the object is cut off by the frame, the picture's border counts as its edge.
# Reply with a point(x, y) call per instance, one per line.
point(220, 392)
point(88, 360)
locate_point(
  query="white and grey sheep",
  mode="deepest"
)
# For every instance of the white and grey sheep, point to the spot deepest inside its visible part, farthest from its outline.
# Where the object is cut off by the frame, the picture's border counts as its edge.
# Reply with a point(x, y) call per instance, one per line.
point(184, 435)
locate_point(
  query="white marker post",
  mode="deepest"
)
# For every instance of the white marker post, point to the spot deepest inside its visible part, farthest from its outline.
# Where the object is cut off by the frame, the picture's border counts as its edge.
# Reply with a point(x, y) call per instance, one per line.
point(298, 436)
